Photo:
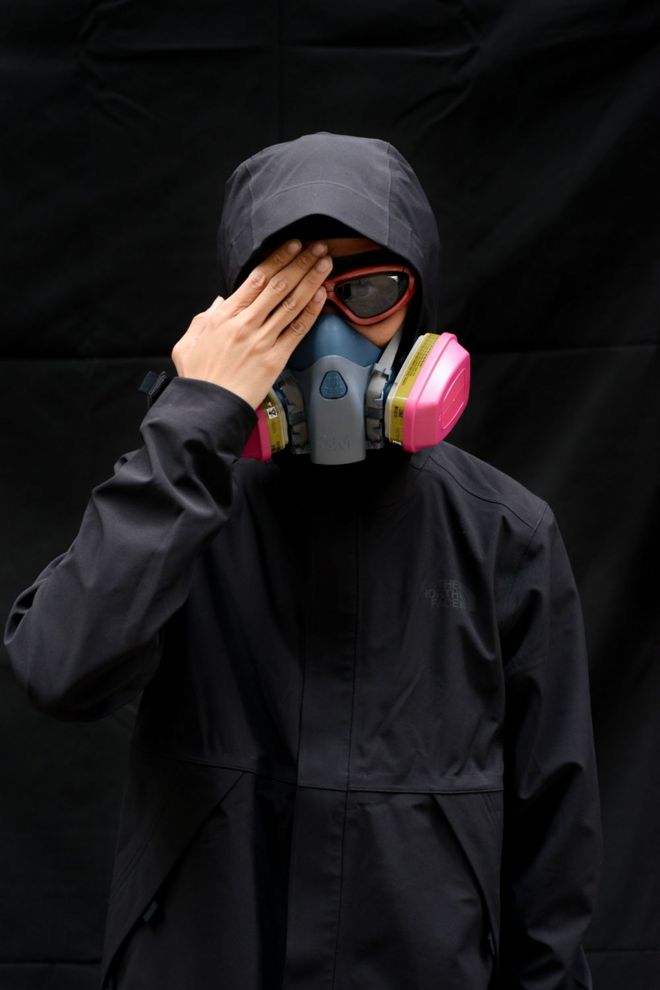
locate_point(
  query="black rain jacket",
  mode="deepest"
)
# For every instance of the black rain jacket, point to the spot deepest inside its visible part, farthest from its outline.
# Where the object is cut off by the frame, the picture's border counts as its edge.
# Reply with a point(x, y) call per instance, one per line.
point(363, 756)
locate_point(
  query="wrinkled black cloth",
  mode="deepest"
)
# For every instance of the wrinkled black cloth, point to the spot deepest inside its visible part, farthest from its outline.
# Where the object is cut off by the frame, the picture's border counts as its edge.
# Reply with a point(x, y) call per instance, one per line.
point(363, 755)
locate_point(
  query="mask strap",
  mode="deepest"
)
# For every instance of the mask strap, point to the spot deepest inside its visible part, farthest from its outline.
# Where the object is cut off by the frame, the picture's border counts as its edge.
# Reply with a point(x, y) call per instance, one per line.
point(375, 398)
point(388, 355)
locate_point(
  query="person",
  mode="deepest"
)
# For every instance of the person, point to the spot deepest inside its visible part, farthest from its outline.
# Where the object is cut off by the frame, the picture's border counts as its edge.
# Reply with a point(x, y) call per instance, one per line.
point(363, 754)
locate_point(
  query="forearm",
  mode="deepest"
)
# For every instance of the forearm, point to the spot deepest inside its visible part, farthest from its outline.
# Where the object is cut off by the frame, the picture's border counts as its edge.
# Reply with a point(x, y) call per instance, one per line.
point(87, 634)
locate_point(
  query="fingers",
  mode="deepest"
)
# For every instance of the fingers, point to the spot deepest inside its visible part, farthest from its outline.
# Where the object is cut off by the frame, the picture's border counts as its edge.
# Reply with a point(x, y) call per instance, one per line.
point(248, 290)
point(292, 304)
point(289, 339)
point(272, 280)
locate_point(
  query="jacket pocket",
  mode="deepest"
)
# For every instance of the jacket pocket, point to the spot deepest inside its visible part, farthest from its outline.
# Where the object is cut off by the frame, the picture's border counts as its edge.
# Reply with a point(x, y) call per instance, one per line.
point(476, 822)
point(165, 802)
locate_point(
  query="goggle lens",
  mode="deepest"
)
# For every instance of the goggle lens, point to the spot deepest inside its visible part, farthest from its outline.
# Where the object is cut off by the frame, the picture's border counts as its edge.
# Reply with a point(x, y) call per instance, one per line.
point(369, 295)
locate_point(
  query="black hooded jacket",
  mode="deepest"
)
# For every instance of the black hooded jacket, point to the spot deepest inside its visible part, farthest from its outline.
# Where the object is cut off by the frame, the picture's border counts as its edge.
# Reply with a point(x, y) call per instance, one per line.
point(363, 755)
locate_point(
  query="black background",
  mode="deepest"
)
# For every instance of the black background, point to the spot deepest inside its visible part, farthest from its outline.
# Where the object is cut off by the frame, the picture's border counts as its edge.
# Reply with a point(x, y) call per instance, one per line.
point(533, 127)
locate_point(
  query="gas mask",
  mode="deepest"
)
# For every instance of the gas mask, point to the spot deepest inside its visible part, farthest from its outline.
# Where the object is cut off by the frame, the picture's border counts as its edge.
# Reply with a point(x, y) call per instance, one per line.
point(338, 396)
point(327, 379)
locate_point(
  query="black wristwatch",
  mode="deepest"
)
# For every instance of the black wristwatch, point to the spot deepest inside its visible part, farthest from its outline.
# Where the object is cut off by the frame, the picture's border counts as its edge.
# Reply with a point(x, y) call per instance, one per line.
point(153, 384)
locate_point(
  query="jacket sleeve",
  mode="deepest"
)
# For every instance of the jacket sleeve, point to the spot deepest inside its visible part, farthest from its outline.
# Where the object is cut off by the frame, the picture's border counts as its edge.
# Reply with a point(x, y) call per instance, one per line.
point(552, 829)
point(87, 635)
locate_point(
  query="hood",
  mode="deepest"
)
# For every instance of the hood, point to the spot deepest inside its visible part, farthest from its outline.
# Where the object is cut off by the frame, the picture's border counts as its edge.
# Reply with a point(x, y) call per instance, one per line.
point(364, 183)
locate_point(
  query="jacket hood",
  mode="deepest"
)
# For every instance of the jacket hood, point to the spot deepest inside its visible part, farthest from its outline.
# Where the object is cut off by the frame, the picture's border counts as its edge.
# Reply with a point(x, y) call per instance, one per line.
point(362, 183)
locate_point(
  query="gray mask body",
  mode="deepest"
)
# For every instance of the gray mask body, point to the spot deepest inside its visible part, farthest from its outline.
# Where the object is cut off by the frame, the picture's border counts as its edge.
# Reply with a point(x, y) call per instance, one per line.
point(332, 366)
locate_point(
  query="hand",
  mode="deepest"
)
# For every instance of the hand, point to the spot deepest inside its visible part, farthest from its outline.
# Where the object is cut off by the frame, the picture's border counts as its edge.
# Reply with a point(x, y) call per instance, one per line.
point(244, 342)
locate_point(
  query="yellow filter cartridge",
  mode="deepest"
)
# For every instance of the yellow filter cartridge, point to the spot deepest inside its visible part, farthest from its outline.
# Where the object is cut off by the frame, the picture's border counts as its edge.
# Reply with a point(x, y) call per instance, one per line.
point(403, 383)
point(278, 433)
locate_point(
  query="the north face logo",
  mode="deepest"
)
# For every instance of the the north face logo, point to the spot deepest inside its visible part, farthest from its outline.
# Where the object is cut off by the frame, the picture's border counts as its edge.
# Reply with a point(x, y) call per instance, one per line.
point(450, 594)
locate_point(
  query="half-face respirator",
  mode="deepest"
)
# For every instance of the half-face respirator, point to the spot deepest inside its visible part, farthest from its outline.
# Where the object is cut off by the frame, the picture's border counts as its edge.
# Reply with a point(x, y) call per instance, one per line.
point(338, 396)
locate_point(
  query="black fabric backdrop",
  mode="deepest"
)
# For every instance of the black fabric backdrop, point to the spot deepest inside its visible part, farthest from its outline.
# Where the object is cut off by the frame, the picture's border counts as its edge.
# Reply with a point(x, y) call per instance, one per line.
point(533, 126)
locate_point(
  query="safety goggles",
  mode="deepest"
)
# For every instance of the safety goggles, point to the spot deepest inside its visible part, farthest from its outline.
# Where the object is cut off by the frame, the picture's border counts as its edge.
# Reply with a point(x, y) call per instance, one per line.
point(368, 295)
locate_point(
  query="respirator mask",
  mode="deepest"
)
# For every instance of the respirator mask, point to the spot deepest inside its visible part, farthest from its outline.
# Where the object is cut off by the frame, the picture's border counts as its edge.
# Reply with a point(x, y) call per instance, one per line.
point(338, 395)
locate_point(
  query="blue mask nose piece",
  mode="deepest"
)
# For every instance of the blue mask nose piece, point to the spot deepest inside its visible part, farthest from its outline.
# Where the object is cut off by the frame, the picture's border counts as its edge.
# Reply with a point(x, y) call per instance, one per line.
point(332, 335)
point(332, 365)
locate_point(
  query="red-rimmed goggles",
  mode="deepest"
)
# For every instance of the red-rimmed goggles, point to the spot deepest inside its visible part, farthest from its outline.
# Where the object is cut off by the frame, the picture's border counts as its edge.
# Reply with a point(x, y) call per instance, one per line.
point(371, 294)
